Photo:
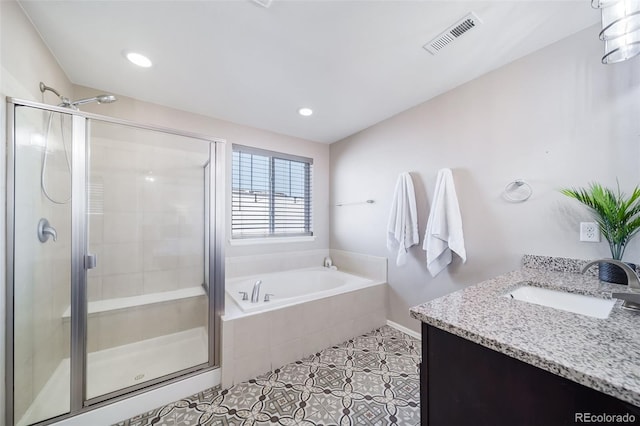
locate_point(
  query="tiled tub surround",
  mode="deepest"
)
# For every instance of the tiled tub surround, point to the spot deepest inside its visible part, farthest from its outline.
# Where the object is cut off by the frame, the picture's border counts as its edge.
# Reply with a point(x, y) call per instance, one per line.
point(364, 265)
point(243, 266)
point(254, 343)
point(601, 354)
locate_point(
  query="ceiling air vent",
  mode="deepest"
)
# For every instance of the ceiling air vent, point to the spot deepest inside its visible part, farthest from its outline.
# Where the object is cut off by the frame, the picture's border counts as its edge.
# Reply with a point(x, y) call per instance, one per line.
point(449, 35)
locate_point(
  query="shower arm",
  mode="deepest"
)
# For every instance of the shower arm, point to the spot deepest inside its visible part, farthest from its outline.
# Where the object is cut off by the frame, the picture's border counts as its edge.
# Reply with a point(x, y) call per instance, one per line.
point(68, 103)
point(44, 88)
point(83, 101)
point(64, 101)
point(98, 99)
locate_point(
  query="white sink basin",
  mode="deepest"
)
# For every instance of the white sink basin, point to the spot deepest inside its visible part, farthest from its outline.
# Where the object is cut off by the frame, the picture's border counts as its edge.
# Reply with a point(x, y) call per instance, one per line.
point(576, 303)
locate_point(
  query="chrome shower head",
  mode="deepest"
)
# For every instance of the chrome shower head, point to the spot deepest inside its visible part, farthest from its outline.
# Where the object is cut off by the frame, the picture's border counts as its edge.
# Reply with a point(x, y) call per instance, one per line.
point(101, 99)
point(67, 103)
point(106, 99)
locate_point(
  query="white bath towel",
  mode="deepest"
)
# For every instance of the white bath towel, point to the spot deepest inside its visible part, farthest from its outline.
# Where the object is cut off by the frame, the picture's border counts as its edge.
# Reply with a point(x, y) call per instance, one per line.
point(444, 226)
point(402, 229)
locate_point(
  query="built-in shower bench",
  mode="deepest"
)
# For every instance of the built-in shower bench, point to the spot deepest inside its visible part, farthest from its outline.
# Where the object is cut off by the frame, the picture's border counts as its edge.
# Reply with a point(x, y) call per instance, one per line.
point(118, 303)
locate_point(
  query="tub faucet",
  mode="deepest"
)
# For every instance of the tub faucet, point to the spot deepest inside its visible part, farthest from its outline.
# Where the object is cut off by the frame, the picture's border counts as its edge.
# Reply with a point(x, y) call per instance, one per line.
point(255, 294)
point(328, 263)
point(631, 300)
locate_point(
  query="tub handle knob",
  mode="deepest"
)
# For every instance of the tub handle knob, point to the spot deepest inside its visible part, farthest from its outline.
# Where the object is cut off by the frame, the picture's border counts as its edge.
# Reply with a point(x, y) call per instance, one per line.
point(245, 295)
point(267, 297)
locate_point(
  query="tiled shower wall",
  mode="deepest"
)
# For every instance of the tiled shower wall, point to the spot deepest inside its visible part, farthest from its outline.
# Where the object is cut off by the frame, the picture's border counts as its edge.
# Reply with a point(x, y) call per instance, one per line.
point(41, 270)
point(146, 220)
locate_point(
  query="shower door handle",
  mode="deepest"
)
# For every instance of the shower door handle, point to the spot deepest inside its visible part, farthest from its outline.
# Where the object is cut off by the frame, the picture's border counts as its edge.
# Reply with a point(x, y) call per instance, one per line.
point(90, 261)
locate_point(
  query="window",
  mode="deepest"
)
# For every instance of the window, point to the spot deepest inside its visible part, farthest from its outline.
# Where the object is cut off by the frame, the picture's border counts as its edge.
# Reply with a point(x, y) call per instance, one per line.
point(271, 194)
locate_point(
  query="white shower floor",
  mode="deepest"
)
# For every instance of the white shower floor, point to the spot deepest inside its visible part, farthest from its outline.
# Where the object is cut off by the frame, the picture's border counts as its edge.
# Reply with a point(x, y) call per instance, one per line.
point(116, 368)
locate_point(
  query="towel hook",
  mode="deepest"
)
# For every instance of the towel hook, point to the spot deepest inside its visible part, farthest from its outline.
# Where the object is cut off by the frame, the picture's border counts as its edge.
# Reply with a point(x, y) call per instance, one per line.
point(517, 191)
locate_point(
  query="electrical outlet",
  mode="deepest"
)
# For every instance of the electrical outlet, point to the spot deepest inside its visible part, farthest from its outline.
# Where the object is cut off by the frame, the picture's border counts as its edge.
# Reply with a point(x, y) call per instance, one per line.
point(590, 232)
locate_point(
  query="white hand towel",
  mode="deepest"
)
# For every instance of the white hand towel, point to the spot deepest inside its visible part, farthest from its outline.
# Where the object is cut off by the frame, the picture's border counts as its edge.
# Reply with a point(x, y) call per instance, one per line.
point(444, 226)
point(402, 229)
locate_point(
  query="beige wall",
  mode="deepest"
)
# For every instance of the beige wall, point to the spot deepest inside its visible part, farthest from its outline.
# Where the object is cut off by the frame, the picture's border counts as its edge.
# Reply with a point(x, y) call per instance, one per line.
point(555, 118)
point(26, 60)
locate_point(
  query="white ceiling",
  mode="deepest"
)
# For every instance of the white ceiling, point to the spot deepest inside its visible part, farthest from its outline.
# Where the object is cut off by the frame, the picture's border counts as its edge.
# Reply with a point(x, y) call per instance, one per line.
point(354, 62)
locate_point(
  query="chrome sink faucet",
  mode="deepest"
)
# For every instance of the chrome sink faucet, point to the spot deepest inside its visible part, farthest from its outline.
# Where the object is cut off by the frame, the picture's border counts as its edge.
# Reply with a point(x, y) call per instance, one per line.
point(631, 300)
point(632, 277)
point(255, 294)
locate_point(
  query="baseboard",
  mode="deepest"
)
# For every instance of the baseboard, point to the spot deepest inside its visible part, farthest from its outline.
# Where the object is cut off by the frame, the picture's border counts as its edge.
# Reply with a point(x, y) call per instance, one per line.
point(404, 329)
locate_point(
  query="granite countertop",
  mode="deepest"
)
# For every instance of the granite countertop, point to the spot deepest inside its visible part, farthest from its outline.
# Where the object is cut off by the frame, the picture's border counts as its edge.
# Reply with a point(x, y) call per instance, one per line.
point(603, 354)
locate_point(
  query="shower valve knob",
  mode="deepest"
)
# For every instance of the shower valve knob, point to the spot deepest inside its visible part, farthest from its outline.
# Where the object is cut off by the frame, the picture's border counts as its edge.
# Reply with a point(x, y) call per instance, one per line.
point(45, 230)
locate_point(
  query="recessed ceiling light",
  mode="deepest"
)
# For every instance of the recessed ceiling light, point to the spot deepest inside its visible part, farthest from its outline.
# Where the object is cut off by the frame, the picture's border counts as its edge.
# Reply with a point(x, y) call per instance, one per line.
point(138, 59)
point(305, 112)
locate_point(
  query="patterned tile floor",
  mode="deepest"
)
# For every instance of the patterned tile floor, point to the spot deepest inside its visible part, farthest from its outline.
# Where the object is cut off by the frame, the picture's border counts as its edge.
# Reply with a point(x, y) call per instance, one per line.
point(369, 380)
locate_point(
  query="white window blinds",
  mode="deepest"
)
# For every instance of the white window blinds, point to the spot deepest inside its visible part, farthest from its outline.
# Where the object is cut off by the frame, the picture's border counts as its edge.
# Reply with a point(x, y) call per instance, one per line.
point(271, 194)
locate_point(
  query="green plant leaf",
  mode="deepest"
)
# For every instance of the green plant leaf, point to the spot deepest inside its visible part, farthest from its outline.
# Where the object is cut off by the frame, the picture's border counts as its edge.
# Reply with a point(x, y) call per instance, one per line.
point(618, 216)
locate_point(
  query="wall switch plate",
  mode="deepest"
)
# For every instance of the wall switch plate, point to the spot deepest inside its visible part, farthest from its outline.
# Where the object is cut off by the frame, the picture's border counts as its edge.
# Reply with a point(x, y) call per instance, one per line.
point(590, 232)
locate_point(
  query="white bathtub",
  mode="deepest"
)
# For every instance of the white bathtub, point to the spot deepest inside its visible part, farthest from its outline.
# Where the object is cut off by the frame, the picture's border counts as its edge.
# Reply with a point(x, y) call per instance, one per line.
point(312, 309)
point(292, 287)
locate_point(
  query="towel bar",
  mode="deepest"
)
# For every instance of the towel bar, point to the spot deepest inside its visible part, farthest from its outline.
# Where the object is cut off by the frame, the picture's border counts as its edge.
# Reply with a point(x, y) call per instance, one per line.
point(355, 202)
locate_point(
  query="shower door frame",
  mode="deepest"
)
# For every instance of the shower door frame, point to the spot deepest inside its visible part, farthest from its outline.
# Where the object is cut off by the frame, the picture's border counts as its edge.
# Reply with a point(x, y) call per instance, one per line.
point(215, 204)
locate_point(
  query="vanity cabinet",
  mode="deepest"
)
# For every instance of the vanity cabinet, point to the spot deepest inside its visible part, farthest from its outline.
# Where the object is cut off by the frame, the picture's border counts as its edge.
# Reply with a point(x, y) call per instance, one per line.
point(464, 383)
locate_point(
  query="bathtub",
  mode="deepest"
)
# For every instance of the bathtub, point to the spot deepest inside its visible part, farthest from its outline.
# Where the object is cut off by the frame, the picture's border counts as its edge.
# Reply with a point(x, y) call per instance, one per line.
point(293, 287)
point(311, 309)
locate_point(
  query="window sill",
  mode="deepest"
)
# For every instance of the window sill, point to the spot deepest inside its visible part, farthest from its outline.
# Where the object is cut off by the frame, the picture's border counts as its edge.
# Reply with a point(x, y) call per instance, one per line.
point(273, 240)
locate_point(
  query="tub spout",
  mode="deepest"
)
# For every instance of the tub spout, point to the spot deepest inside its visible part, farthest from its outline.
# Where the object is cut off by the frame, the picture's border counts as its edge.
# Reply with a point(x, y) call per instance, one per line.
point(255, 294)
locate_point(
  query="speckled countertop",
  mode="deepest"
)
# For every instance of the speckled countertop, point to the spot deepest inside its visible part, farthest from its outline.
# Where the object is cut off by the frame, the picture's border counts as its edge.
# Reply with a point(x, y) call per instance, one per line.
point(603, 354)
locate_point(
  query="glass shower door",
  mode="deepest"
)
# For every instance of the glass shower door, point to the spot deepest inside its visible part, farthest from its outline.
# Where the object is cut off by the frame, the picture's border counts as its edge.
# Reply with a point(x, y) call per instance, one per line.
point(147, 296)
point(112, 238)
point(39, 183)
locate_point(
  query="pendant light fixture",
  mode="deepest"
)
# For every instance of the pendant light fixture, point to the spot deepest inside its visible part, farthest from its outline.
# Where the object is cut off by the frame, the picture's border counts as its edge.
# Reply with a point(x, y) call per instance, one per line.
point(620, 29)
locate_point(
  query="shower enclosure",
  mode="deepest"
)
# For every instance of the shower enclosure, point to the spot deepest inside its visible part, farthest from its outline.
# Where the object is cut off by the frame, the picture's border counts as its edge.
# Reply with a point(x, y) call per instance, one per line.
point(115, 278)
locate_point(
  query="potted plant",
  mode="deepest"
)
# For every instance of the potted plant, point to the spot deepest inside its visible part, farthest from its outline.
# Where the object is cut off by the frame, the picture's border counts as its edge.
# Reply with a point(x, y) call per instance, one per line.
point(618, 218)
